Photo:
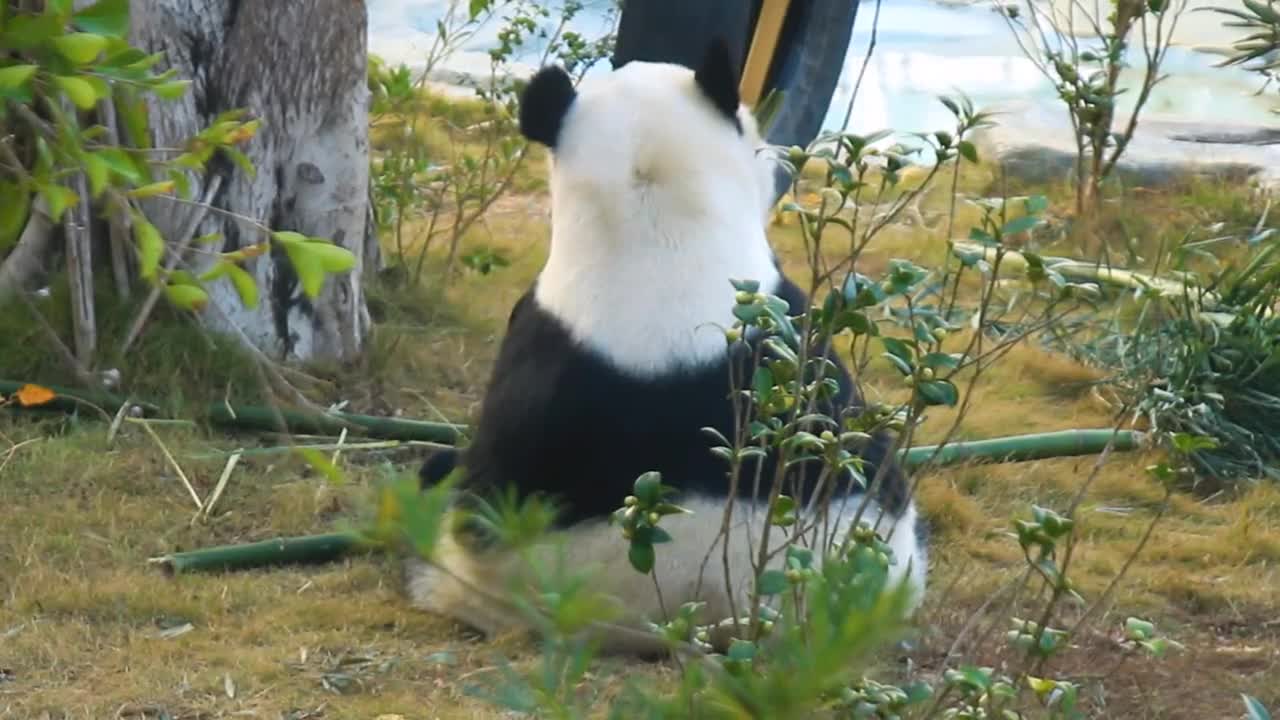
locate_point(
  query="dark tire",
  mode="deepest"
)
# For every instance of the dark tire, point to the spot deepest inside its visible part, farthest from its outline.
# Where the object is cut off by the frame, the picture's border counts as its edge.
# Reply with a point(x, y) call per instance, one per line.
point(811, 54)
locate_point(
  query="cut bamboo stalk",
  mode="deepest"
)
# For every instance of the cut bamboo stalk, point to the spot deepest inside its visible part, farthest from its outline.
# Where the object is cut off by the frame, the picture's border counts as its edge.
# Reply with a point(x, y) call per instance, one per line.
point(315, 549)
point(1022, 448)
point(249, 417)
point(70, 400)
point(764, 45)
point(305, 550)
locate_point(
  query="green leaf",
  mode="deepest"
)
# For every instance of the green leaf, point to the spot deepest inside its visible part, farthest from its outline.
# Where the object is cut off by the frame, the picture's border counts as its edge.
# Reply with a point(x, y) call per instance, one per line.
point(132, 112)
point(898, 348)
point(13, 213)
point(772, 582)
point(25, 32)
point(98, 173)
point(333, 258)
point(939, 392)
point(59, 199)
point(14, 79)
point(968, 150)
point(740, 650)
point(80, 91)
point(241, 160)
point(307, 266)
point(171, 90)
point(648, 488)
point(120, 163)
point(246, 287)
point(105, 17)
point(80, 48)
point(1020, 224)
point(642, 557)
point(187, 297)
point(150, 246)
point(1139, 629)
point(317, 460)
point(1254, 709)
point(288, 237)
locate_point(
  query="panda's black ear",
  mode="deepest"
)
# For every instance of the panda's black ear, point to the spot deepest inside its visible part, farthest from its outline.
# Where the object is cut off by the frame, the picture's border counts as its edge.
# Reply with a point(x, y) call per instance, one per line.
point(544, 104)
point(718, 78)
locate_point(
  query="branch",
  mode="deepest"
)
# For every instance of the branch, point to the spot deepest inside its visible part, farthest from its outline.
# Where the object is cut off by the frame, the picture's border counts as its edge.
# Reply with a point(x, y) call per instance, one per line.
point(184, 241)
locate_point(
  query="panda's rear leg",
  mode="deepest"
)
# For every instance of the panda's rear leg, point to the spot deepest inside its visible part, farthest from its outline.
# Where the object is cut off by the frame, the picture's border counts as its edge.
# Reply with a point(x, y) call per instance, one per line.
point(455, 584)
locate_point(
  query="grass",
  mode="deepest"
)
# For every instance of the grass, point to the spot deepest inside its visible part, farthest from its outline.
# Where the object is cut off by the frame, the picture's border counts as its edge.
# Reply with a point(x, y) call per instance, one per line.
point(89, 630)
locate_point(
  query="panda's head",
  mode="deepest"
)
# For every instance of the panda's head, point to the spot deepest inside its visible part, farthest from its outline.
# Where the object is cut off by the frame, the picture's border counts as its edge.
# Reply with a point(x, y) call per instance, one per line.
point(658, 133)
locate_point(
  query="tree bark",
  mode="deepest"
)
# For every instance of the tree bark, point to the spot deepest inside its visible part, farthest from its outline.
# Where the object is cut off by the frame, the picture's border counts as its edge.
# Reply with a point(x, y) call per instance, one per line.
point(299, 66)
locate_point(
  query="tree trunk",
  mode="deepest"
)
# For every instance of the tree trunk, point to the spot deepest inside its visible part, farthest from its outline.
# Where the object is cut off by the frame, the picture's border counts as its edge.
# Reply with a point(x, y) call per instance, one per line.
point(300, 67)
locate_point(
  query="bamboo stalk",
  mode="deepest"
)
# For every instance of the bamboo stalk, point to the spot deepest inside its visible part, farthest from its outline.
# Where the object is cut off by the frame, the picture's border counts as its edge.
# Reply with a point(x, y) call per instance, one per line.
point(304, 550)
point(70, 400)
point(1021, 448)
point(315, 549)
point(249, 417)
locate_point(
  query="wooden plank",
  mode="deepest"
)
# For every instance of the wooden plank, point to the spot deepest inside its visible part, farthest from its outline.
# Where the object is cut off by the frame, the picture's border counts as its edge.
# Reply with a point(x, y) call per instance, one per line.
point(764, 44)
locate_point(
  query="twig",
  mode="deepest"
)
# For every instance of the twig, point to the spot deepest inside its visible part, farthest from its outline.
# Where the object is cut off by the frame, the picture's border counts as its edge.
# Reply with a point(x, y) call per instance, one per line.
point(185, 237)
point(8, 455)
point(222, 484)
point(146, 425)
point(337, 450)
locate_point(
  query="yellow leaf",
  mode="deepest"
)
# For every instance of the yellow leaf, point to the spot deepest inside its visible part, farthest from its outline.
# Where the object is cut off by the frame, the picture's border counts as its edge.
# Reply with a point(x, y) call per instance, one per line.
point(34, 395)
point(156, 188)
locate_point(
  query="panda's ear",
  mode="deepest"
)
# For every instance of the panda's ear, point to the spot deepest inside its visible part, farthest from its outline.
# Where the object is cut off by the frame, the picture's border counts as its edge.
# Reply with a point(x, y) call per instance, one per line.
point(718, 78)
point(544, 104)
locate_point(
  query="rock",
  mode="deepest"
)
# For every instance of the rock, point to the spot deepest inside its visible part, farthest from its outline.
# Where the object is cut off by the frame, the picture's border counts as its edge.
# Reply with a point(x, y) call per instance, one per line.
point(1035, 143)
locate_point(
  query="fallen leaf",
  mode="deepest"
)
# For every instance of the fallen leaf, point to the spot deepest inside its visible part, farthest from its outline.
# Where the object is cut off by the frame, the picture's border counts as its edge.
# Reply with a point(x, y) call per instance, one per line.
point(34, 395)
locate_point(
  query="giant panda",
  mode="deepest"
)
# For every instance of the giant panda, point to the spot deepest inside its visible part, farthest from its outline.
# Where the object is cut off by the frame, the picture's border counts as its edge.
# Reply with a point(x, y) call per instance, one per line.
point(616, 358)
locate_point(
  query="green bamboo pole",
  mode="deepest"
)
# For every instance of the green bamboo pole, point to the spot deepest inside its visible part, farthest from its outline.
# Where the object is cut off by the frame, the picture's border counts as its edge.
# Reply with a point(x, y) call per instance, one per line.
point(72, 399)
point(250, 417)
point(304, 550)
point(1021, 448)
point(314, 549)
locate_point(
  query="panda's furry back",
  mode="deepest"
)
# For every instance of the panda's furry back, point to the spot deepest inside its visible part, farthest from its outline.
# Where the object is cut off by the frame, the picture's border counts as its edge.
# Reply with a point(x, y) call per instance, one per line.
point(616, 358)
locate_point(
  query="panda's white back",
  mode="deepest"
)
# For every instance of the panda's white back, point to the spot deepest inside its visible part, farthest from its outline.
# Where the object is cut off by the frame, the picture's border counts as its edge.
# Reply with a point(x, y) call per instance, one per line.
point(658, 201)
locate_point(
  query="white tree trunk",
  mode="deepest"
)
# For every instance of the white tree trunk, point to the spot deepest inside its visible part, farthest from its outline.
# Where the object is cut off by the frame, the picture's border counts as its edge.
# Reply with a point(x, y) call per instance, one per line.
point(300, 66)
